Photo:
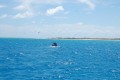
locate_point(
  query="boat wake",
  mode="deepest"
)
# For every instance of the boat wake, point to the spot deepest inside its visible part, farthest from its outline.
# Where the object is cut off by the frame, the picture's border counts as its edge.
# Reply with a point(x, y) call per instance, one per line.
point(54, 46)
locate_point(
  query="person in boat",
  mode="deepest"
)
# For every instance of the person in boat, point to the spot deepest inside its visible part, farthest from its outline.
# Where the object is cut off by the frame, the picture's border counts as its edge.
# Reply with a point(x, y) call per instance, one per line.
point(54, 44)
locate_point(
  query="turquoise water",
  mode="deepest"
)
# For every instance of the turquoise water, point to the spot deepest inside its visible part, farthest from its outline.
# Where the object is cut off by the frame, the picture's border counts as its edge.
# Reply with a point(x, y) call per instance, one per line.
point(34, 59)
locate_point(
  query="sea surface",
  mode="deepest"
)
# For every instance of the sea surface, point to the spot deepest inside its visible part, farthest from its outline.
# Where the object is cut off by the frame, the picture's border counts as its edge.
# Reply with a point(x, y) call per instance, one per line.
point(35, 59)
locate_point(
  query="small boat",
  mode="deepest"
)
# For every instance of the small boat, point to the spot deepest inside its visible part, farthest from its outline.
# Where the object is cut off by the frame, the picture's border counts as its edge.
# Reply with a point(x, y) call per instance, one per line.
point(54, 44)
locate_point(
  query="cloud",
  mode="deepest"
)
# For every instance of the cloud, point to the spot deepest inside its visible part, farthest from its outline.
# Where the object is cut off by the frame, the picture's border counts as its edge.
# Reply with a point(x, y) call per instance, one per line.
point(2, 6)
point(89, 3)
point(54, 10)
point(25, 9)
point(24, 15)
point(3, 16)
point(26, 6)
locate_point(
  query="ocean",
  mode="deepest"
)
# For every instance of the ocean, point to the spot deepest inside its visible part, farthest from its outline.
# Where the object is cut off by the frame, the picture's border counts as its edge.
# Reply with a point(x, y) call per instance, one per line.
point(35, 59)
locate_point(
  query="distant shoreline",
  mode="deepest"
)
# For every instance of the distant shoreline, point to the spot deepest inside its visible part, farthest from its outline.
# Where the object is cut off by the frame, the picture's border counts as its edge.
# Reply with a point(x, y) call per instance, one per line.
point(87, 38)
point(67, 38)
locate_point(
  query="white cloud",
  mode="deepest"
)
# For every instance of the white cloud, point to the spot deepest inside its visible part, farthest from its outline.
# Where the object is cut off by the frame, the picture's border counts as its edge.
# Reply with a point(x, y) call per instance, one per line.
point(54, 10)
point(25, 9)
point(27, 6)
point(24, 5)
point(2, 6)
point(3, 16)
point(24, 15)
point(89, 3)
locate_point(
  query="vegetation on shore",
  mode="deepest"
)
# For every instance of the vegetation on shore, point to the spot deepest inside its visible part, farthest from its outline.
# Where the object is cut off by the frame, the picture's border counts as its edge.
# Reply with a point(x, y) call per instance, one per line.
point(89, 38)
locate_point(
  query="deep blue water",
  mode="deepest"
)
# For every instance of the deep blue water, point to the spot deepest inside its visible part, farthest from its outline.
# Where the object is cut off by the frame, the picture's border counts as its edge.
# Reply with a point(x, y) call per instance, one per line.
point(34, 59)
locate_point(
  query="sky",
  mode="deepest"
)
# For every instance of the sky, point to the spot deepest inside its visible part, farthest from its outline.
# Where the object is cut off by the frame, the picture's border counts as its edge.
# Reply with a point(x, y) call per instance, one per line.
point(60, 18)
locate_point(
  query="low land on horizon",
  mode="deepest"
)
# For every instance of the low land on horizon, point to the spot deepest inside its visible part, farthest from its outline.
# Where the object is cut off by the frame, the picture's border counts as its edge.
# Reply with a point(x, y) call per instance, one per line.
point(90, 38)
point(72, 38)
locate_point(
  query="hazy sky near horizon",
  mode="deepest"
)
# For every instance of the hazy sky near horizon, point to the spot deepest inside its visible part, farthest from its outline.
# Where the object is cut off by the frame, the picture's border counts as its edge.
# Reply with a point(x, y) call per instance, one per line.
point(59, 18)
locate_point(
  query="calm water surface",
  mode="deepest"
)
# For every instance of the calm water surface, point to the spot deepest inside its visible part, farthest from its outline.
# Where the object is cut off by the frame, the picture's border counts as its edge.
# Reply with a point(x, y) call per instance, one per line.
point(34, 59)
